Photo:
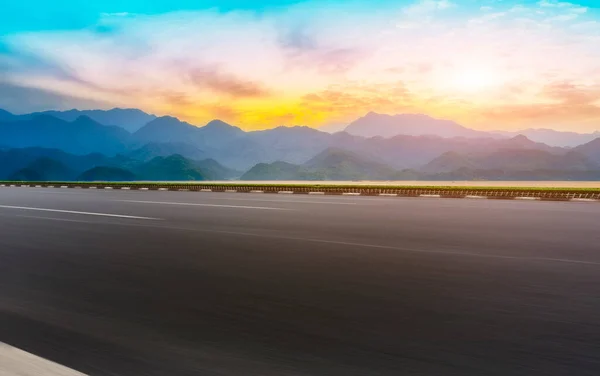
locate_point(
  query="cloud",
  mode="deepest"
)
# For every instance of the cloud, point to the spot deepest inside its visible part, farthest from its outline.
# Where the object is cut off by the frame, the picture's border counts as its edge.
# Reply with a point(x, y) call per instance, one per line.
point(425, 7)
point(348, 100)
point(569, 93)
point(158, 61)
point(305, 50)
point(298, 39)
point(222, 83)
point(315, 63)
point(422, 13)
point(116, 14)
point(562, 103)
point(18, 99)
point(562, 5)
point(325, 61)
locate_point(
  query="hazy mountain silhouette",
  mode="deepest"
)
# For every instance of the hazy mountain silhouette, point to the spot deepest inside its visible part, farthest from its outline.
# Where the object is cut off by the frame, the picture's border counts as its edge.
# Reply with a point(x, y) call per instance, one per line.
point(6, 116)
point(170, 129)
point(219, 140)
point(340, 164)
point(402, 152)
point(52, 164)
point(554, 138)
point(333, 128)
point(523, 142)
point(106, 173)
point(166, 129)
point(510, 160)
point(177, 167)
point(16, 159)
point(448, 162)
point(233, 146)
point(174, 167)
point(278, 153)
point(278, 171)
point(213, 170)
point(43, 169)
point(217, 133)
point(296, 145)
point(330, 164)
point(290, 144)
point(508, 164)
point(81, 136)
point(164, 149)
point(27, 174)
point(590, 149)
point(130, 119)
point(374, 124)
point(540, 175)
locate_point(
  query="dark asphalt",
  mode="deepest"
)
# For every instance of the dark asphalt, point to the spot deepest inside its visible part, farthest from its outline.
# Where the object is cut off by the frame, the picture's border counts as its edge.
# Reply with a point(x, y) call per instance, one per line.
point(257, 284)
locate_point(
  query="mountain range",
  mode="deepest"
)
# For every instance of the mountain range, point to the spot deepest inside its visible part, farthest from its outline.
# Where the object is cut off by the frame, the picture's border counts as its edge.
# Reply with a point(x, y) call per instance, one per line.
point(40, 164)
point(330, 164)
point(552, 137)
point(115, 143)
point(374, 124)
point(505, 164)
point(130, 119)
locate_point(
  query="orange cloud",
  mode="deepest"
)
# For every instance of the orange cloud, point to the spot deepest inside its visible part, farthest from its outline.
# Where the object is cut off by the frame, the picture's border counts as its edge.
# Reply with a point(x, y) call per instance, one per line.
point(227, 84)
point(565, 103)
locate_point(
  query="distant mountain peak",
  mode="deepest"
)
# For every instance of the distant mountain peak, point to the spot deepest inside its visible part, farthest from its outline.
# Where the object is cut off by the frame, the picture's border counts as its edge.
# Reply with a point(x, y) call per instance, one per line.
point(590, 149)
point(333, 155)
point(119, 109)
point(218, 123)
point(374, 124)
point(521, 137)
point(130, 119)
point(167, 118)
point(373, 114)
point(175, 157)
point(333, 150)
point(7, 116)
point(296, 129)
point(219, 127)
point(165, 121)
point(47, 118)
point(521, 141)
point(84, 119)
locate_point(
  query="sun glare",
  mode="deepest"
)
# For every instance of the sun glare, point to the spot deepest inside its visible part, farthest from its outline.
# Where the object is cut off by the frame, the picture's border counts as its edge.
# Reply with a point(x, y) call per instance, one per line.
point(475, 79)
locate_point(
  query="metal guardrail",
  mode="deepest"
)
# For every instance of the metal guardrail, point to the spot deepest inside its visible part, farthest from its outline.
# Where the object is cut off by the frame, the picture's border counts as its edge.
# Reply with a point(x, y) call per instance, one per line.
point(408, 191)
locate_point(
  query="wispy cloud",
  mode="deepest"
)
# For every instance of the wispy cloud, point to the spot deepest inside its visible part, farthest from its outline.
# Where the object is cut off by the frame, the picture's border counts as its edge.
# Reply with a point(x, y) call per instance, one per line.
point(562, 104)
point(213, 79)
point(316, 62)
point(425, 7)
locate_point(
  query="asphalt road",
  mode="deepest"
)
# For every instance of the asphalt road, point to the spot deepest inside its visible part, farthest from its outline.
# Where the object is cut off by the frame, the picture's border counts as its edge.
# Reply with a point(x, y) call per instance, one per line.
point(181, 283)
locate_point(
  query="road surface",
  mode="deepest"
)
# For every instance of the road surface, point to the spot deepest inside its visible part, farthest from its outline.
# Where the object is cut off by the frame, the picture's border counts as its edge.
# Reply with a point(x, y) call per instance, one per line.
point(182, 283)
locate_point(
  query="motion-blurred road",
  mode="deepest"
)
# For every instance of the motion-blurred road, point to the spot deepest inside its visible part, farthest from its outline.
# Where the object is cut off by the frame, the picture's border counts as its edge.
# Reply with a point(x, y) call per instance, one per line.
point(181, 283)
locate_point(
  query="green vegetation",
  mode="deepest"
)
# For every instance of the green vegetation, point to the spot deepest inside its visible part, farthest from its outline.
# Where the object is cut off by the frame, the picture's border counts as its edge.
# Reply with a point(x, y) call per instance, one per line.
point(331, 164)
point(174, 167)
point(213, 170)
point(279, 171)
point(43, 169)
point(322, 187)
point(104, 173)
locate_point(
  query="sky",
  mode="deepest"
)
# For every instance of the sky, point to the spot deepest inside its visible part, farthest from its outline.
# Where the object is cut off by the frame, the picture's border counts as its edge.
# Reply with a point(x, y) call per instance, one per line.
point(501, 65)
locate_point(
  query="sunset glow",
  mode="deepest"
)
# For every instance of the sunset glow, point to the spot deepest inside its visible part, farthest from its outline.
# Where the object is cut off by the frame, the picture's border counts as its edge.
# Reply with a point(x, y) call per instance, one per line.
point(485, 64)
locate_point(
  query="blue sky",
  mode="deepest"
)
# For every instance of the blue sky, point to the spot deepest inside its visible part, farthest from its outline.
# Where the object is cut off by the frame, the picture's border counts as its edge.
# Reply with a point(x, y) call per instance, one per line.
point(31, 15)
point(487, 64)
